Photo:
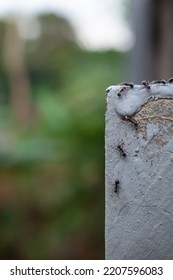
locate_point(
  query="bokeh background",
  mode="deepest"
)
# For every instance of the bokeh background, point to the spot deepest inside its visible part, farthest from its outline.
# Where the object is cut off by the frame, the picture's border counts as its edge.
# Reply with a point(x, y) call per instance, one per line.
point(56, 60)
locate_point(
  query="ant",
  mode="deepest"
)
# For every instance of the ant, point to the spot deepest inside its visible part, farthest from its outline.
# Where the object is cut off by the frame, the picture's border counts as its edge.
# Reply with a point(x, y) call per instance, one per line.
point(135, 123)
point(170, 80)
point(159, 82)
point(128, 84)
point(121, 149)
point(131, 85)
point(146, 84)
point(121, 91)
point(116, 185)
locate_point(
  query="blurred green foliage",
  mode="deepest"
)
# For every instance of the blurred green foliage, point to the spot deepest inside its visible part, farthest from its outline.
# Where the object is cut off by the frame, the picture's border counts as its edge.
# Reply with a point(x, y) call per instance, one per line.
point(52, 171)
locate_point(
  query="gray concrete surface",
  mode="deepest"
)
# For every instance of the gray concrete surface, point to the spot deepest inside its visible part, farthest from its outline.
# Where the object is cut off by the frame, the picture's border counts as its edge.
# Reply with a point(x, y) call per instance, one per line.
point(139, 182)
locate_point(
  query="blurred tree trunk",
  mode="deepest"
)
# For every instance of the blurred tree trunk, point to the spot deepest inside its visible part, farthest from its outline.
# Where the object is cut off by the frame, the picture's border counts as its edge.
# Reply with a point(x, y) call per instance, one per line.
point(164, 46)
point(19, 85)
point(142, 57)
point(152, 55)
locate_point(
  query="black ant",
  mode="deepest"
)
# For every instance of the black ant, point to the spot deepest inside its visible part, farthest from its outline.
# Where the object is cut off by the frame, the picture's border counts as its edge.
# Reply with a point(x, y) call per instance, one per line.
point(123, 88)
point(121, 149)
point(146, 84)
point(159, 82)
point(128, 84)
point(121, 91)
point(116, 185)
point(133, 121)
point(170, 80)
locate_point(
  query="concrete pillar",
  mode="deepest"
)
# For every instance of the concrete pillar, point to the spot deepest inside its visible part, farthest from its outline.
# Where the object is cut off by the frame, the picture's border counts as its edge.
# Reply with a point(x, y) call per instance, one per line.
point(139, 172)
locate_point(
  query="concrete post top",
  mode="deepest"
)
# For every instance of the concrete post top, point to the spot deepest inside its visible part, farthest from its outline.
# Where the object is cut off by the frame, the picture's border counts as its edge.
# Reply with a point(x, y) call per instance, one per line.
point(129, 98)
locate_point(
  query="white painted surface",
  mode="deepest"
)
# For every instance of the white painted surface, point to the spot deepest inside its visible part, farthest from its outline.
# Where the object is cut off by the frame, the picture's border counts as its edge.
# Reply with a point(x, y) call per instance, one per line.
point(132, 99)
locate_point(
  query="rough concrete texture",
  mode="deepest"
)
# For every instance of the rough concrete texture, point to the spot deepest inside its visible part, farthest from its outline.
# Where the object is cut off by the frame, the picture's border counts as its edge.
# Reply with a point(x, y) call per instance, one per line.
point(139, 186)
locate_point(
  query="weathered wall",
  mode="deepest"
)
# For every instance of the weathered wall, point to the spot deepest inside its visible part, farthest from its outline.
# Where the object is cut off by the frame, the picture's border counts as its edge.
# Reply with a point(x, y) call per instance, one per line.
point(139, 210)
